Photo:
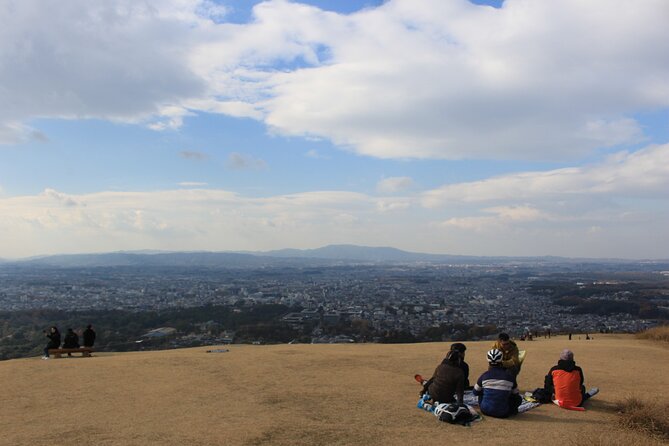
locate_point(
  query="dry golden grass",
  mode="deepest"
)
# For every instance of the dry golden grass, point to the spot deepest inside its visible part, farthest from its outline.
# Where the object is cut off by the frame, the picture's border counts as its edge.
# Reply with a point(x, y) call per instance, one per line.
point(650, 418)
point(655, 334)
point(306, 395)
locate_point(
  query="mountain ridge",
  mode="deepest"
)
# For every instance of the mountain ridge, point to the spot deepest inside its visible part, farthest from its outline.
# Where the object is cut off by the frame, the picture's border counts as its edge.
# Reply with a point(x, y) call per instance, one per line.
point(326, 256)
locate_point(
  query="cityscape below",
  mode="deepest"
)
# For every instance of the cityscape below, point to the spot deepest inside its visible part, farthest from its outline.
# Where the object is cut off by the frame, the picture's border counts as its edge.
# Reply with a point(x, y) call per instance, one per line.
point(188, 299)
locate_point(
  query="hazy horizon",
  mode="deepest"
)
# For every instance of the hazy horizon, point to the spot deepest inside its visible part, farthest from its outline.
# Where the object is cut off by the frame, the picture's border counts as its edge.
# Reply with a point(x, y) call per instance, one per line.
point(318, 248)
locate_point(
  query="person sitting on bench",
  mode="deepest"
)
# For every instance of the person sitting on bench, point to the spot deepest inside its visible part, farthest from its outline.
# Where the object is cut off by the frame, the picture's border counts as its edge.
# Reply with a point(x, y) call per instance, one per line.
point(71, 340)
point(54, 340)
point(89, 336)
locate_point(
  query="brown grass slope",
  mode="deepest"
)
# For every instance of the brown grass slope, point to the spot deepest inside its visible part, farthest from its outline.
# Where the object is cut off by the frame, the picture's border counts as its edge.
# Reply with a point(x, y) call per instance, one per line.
point(307, 395)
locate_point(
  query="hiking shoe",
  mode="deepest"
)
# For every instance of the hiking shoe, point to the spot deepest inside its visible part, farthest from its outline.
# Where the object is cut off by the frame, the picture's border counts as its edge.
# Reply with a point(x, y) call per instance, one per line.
point(594, 391)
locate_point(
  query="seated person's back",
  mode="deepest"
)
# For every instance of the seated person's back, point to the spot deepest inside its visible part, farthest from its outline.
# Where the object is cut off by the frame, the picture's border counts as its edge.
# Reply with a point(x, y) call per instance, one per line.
point(565, 381)
point(71, 339)
point(448, 380)
point(497, 389)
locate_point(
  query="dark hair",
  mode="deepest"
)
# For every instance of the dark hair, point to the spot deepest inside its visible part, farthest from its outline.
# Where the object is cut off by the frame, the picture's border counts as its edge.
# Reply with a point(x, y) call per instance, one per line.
point(459, 347)
point(88, 326)
point(453, 357)
point(503, 337)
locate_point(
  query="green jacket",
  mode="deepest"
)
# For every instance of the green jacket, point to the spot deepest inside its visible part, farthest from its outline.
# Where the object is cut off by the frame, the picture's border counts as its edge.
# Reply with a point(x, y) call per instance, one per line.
point(510, 356)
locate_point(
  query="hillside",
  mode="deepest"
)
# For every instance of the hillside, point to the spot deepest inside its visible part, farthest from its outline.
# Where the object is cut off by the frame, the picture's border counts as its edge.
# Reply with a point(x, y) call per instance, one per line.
point(304, 394)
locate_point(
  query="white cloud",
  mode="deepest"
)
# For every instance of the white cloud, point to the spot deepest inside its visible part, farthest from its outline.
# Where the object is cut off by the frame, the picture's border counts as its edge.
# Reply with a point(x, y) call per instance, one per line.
point(410, 78)
point(192, 184)
point(211, 219)
point(119, 60)
point(183, 219)
point(394, 184)
point(641, 174)
point(598, 210)
point(393, 205)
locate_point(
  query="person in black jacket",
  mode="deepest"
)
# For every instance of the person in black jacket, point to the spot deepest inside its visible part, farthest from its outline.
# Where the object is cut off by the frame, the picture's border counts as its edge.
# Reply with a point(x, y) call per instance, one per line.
point(89, 336)
point(54, 341)
point(460, 347)
point(71, 340)
point(448, 382)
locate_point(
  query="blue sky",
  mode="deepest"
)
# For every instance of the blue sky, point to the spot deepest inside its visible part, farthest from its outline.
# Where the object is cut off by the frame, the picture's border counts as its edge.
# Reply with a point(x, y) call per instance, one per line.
point(526, 128)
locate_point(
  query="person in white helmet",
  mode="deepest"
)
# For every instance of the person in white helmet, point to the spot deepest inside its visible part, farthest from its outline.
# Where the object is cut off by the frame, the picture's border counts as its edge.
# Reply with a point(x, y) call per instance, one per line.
point(497, 388)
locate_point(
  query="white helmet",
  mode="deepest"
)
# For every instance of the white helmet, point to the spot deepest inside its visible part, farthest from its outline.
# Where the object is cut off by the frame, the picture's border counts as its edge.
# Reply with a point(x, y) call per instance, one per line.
point(495, 356)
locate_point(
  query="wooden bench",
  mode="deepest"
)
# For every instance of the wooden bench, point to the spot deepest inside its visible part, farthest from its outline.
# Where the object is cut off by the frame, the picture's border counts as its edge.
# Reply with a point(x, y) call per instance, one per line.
point(57, 352)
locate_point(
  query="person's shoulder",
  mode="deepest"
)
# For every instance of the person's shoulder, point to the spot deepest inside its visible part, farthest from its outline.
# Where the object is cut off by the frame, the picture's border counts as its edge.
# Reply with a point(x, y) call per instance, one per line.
point(456, 369)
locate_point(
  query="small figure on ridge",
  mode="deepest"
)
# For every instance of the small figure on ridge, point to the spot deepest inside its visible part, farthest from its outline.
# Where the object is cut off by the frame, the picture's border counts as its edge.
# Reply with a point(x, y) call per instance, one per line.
point(54, 340)
point(89, 336)
point(71, 340)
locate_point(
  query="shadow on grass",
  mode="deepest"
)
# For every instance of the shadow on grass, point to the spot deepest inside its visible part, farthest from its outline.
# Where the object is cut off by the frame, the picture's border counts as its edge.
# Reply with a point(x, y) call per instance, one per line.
point(532, 417)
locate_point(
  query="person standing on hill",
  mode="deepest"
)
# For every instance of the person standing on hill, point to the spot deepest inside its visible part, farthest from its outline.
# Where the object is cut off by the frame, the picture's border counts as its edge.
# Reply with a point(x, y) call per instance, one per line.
point(54, 340)
point(509, 349)
point(564, 382)
point(448, 381)
point(497, 388)
point(89, 336)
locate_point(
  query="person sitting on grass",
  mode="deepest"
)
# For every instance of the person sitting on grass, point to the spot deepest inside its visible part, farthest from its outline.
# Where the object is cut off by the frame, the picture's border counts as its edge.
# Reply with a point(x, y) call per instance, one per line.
point(564, 382)
point(448, 382)
point(497, 389)
point(461, 348)
point(509, 349)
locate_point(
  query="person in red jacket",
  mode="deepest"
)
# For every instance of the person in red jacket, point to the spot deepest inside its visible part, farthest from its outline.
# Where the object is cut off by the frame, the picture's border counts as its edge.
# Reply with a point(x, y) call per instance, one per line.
point(564, 382)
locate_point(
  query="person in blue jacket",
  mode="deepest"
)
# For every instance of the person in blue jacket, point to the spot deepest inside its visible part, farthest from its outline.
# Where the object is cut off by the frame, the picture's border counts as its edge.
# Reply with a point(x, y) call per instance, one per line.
point(497, 388)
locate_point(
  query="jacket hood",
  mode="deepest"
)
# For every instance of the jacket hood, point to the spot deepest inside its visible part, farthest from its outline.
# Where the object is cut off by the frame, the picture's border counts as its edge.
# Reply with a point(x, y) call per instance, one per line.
point(567, 364)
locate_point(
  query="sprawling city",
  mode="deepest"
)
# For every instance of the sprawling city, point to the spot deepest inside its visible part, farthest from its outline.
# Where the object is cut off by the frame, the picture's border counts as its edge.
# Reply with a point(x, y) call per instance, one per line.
point(157, 307)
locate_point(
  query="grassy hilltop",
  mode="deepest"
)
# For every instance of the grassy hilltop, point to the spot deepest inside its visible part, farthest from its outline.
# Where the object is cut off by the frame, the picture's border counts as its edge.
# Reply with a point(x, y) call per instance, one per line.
point(360, 394)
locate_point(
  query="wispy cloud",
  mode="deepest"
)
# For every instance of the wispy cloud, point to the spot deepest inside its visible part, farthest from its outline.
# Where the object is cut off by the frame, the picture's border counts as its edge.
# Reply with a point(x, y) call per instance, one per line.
point(644, 173)
point(198, 218)
point(394, 184)
point(193, 155)
point(192, 184)
point(240, 161)
point(315, 154)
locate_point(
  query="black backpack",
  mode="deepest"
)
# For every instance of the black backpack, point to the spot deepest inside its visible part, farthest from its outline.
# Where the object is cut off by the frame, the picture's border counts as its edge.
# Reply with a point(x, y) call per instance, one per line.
point(541, 395)
point(453, 414)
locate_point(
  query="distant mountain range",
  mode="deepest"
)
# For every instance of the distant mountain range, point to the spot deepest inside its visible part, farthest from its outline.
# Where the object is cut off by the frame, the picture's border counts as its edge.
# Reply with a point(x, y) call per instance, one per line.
point(327, 255)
